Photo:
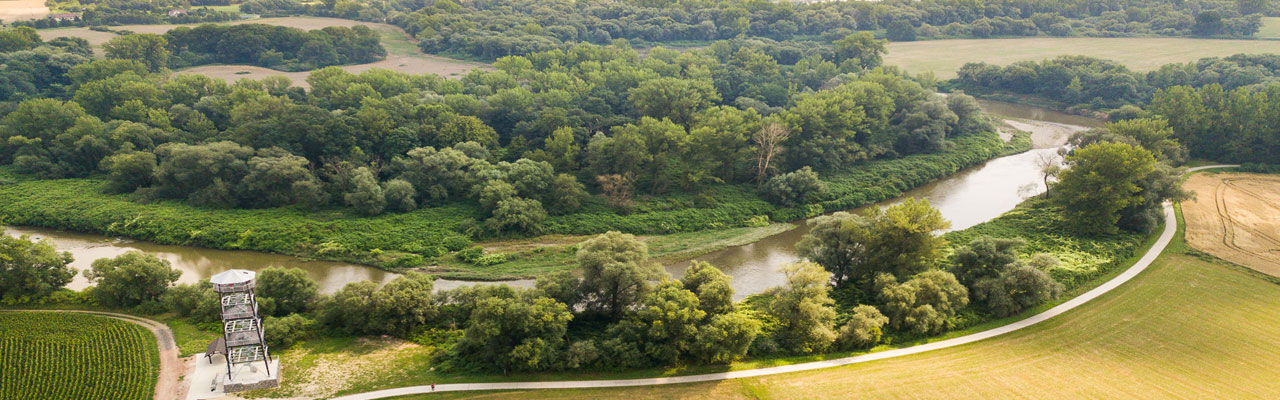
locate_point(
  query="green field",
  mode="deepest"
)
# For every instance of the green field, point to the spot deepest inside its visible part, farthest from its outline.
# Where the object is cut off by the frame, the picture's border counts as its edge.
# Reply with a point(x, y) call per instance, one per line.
point(1190, 326)
point(1270, 28)
point(945, 57)
point(75, 356)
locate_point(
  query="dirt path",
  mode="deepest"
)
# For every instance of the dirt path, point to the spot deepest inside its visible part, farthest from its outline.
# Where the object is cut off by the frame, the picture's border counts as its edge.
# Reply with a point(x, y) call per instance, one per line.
point(168, 386)
point(1236, 217)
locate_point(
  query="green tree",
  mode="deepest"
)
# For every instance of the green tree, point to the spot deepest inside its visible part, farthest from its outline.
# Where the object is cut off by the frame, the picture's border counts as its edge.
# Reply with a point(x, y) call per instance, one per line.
point(31, 270)
point(984, 257)
point(900, 31)
point(517, 214)
point(18, 38)
point(803, 309)
point(861, 49)
point(366, 196)
point(515, 333)
point(1017, 288)
point(400, 195)
point(898, 239)
point(674, 98)
point(151, 49)
point(924, 304)
point(277, 178)
point(798, 187)
point(567, 194)
point(399, 308)
point(864, 328)
point(1102, 179)
point(666, 324)
point(290, 290)
point(131, 279)
point(283, 332)
point(725, 338)
point(616, 272)
point(715, 294)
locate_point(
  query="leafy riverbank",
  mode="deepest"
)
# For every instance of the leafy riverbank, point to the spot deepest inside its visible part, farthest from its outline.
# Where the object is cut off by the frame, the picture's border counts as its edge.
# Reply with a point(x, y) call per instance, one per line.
point(427, 236)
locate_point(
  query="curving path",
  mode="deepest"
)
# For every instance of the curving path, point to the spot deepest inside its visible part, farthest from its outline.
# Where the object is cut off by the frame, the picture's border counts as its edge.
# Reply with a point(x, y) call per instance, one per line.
point(1165, 237)
point(170, 367)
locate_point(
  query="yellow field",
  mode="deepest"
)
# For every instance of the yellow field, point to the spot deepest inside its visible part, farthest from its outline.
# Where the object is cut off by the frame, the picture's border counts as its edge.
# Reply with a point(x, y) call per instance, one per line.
point(1236, 217)
point(13, 10)
point(1185, 328)
point(945, 57)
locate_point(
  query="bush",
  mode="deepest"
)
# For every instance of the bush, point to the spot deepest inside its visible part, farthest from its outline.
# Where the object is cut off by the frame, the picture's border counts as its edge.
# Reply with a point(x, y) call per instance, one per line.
point(1017, 288)
point(863, 329)
point(282, 332)
point(471, 255)
point(799, 187)
point(131, 279)
point(924, 304)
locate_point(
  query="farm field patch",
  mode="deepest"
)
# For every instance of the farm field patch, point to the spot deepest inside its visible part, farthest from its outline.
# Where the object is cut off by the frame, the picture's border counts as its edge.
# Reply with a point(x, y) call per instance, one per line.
point(1237, 218)
point(75, 356)
point(945, 57)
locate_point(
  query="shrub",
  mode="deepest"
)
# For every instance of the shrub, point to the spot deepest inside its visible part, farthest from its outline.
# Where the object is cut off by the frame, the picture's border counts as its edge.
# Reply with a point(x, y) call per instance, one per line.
point(793, 188)
point(131, 279)
point(471, 254)
point(282, 332)
point(863, 329)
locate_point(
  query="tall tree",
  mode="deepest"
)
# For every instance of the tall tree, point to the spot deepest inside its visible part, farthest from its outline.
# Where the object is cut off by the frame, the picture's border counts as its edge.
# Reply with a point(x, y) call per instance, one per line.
point(1102, 179)
point(30, 270)
point(616, 272)
point(151, 49)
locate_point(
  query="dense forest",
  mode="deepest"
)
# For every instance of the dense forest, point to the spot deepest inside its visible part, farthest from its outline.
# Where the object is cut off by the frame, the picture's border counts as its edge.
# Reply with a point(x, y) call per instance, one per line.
point(277, 47)
point(492, 29)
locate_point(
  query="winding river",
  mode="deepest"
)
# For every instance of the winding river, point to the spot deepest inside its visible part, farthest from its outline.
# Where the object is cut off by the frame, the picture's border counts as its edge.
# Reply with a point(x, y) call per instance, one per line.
point(967, 198)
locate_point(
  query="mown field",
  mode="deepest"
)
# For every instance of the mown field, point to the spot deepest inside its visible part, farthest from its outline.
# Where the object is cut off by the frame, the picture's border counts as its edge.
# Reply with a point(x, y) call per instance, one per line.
point(1190, 326)
point(397, 241)
point(75, 356)
point(1236, 217)
point(945, 57)
point(1270, 28)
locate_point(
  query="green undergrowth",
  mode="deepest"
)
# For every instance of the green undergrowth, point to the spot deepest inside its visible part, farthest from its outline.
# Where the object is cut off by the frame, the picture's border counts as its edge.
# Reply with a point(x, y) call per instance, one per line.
point(427, 236)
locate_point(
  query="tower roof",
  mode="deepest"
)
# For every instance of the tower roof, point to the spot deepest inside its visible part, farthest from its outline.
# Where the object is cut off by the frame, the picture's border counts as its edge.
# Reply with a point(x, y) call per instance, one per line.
point(233, 276)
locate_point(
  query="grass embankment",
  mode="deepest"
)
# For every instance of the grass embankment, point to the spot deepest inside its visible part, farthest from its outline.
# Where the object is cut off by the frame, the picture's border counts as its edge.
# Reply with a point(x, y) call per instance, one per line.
point(1190, 326)
point(945, 57)
point(75, 356)
point(382, 364)
point(425, 236)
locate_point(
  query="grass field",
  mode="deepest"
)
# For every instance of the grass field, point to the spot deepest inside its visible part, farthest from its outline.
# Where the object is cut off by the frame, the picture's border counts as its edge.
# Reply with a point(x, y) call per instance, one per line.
point(1190, 326)
point(1270, 28)
point(1236, 217)
point(14, 10)
point(75, 356)
point(945, 57)
point(403, 54)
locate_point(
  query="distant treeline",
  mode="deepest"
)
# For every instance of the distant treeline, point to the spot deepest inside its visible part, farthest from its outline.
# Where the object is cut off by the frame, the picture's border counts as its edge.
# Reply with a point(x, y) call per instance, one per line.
point(1088, 82)
point(491, 29)
point(279, 47)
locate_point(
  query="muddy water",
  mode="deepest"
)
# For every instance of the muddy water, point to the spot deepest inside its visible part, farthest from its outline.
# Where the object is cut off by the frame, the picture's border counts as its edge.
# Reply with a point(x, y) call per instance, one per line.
point(966, 198)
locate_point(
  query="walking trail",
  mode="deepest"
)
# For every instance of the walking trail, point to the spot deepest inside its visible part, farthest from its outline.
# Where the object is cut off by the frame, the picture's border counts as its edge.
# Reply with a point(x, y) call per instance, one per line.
point(171, 368)
point(1165, 237)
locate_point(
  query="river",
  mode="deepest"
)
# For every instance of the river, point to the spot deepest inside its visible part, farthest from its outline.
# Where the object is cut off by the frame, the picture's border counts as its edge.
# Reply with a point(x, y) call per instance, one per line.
point(966, 198)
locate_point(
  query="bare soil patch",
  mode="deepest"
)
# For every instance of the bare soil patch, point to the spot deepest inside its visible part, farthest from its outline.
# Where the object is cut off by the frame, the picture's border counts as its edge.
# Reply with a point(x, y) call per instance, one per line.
point(16, 10)
point(1236, 217)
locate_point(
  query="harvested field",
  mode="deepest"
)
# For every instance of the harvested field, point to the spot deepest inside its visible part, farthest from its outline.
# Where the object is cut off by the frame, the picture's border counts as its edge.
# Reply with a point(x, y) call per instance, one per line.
point(15, 10)
point(945, 57)
point(1237, 218)
point(402, 53)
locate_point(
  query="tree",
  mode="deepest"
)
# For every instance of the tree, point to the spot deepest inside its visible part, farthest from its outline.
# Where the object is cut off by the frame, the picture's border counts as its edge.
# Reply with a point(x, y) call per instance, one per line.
point(129, 171)
point(616, 272)
point(768, 141)
point(31, 270)
point(1101, 180)
point(517, 214)
point(283, 332)
point(898, 240)
point(795, 188)
point(515, 333)
point(131, 279)
point(900, 31)
point(277, 178)
point(860, 48)
point(151, 49)
point(924, 304)
point(290, 290)
point(617, 189)
point(666, 324)
point(1050, 167)
point(1208, 23)
point(203, 174)
point(725, 337)
point(197, 302)
point(863, 329)
point(674, 98)
point(715, 294)
point(398, 308)
point(1017, 288)
point(399, 195)
point(803, 309)
point(566, 194)
point(562, 286)
point(984, 257)
point(366, 196)
point(18, 38)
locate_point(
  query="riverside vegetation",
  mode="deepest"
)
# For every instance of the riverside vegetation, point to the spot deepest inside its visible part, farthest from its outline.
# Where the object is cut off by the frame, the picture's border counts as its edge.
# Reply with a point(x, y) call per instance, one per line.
point(397, 170)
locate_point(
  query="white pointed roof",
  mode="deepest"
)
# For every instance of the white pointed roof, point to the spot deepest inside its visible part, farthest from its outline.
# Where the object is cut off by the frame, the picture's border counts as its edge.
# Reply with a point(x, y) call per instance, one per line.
point(233, 276)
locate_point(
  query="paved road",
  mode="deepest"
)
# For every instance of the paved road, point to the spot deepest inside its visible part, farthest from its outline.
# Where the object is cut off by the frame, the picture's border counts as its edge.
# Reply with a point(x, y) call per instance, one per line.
point(1166, 236)
point(170, 367)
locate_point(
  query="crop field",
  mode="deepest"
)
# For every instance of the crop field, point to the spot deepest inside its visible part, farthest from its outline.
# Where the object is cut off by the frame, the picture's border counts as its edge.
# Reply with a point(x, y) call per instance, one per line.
point(75, 356)
point(13, 10)
point(945, 57)
point(1236, 217)
point(403, 54)
point(1188, 327)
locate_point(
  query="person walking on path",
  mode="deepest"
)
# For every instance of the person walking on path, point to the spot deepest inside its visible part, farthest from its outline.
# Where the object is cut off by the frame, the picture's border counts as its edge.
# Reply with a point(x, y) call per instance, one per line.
point(433, 387)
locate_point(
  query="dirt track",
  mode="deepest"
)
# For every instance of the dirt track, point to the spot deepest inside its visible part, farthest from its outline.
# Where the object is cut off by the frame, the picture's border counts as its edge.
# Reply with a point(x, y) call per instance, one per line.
point(1237, 218)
